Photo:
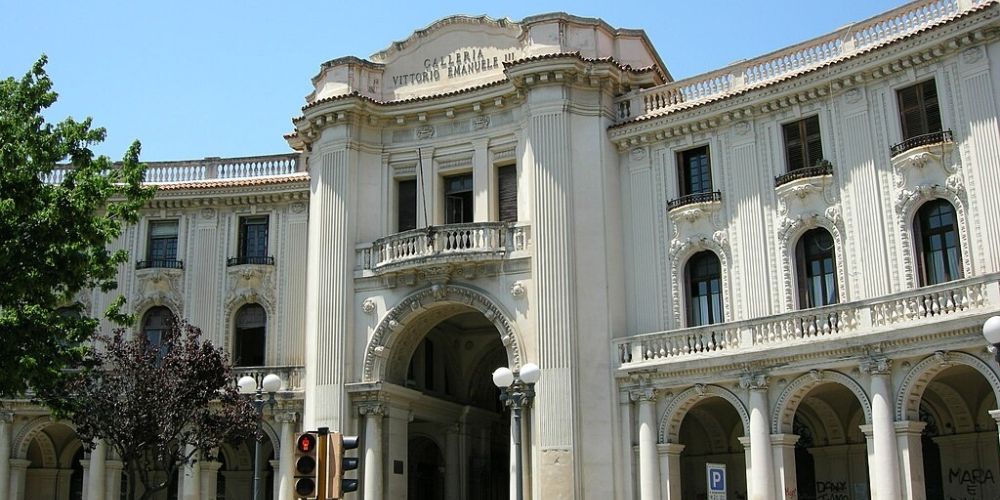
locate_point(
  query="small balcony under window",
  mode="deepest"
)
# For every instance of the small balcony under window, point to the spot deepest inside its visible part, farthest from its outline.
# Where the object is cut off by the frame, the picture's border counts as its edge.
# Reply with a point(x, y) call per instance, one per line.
point(931, 139)
point(690, 199)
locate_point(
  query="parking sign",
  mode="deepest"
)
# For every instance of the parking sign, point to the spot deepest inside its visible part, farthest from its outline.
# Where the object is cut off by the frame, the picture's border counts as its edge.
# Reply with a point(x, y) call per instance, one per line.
point(716, 481)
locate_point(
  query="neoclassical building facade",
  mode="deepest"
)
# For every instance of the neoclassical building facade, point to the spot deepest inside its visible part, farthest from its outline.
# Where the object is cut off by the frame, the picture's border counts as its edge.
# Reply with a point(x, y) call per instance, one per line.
point(779, 268)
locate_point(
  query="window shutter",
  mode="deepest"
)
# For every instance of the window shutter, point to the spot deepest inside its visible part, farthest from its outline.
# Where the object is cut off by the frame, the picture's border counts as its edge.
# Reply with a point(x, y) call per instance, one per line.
point(931, 108)
point(814, 144)
point(163, 229)
point(406, 209)
point(793, 146)
point(910, 115)
point(507, 193)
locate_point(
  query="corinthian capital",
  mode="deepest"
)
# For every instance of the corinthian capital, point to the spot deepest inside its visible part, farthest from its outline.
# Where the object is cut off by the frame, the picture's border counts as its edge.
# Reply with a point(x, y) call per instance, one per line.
point(877, 365)
point(642, 394)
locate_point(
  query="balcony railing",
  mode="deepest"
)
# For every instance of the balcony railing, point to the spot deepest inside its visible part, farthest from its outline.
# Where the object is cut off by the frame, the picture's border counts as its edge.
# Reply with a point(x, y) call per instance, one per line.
point(689, 199)
point(159, 172)
point(874, 317)
point(292, 377)
point(846, 42)
point(470, 242)
point(260, 260)
point(823, 168)
point(921, 140)
point(160, 264)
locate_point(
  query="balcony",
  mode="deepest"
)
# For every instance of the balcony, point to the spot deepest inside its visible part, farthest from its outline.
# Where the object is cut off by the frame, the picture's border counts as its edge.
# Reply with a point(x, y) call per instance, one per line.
point(257, 260)
point(292, 377)
point(160, 264)
point(691, 199)
point(822, 168)
point(933, 138)
point(912, 312)
point(477, 242)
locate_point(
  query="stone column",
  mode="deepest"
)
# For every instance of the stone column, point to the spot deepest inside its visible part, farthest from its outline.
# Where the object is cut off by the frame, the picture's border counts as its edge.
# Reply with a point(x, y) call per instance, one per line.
point(649, 467)
point(6, 431)
point(276, 484)
point(209, 478)
point(453, 462)
point(885, 482)
point(96, 471)
point(191, 478)
point(623, 471)
point(283, 482)
point(747, 460)
point(783, 454)
point(113, 479)
point(911, 459)
point(18, 469)
point(761, 467)
point(374, 463)
point(671, 459)
point(993, 413)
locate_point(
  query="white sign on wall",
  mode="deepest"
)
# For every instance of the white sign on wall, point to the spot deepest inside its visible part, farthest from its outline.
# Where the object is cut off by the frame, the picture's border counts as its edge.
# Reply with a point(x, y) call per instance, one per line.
point(716, 481)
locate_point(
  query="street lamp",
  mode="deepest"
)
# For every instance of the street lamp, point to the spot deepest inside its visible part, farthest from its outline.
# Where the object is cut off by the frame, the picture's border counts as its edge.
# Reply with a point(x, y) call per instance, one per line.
point(517, 389)
point(248, 386)
point(991, 330)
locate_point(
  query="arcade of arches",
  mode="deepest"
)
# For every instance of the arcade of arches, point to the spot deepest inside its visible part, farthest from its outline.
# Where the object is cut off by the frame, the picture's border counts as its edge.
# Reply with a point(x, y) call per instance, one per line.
point(444, 432)
point(822, 433)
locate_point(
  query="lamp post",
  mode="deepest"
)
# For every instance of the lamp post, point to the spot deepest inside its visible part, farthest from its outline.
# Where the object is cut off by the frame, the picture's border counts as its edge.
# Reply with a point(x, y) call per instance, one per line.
point(517, 389)
point(248, 386)
point(991, 330)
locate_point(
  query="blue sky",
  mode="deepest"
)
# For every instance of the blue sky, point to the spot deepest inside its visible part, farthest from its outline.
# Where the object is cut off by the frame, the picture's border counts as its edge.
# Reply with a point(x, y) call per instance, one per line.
point(224, 78)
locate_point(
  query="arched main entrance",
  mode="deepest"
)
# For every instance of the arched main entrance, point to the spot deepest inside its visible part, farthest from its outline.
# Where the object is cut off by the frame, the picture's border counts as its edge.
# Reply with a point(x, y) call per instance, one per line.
point(431, 357)
point(710, 433)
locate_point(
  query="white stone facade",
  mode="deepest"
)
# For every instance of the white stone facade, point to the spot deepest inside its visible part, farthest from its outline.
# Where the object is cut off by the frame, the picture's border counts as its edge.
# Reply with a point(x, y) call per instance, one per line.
point(402, 266)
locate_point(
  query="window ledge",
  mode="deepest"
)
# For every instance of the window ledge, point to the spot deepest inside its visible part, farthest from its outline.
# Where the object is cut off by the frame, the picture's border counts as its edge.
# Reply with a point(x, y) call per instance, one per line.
point(804, 182)
point(822, 168)
point(919, 154)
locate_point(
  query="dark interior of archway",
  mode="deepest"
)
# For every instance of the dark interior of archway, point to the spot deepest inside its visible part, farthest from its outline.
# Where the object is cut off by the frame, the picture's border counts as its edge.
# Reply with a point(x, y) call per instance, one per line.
point(951, 399)
point(454, 363)
point(831, 455)
point(710, 433)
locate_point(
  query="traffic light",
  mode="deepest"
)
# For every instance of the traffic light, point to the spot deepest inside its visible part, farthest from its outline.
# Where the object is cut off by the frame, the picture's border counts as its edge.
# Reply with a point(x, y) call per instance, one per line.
point(306, 466)
point(336, 484)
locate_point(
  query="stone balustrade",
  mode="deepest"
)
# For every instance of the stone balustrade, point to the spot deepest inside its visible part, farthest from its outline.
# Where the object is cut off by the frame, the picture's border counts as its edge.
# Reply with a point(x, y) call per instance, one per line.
point(208, 168)
point(292, 377)
point(843, 43)
point(469, 242)
point(874, 317)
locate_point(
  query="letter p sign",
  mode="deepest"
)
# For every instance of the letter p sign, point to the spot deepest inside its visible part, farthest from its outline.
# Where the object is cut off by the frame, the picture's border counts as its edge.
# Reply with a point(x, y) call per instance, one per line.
point(716, 481)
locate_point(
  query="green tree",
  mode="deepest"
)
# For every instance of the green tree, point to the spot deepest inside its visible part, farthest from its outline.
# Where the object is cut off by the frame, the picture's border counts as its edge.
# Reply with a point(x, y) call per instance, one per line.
point(54, 237)
point(158, 406)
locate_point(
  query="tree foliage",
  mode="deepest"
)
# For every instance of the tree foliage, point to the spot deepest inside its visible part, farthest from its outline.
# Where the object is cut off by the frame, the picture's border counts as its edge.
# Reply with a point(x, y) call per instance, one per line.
point(158, 407)
point(54, 237)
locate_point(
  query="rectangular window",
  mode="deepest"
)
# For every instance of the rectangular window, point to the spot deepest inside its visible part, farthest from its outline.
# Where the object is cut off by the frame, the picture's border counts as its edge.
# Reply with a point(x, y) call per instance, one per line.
point(919, 113)
point(253, 237)
point(694, 171)
point(803, 146)
point(406, 205)
point(507, 193)
point(458, 199)
point(161, 249)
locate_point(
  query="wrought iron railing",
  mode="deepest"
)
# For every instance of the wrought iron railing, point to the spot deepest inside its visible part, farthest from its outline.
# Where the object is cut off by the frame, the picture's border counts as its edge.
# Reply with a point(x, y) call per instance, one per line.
point(160, 264)
point(823, 168)
point(706, 197)
point(938, 137)
point(260, 260)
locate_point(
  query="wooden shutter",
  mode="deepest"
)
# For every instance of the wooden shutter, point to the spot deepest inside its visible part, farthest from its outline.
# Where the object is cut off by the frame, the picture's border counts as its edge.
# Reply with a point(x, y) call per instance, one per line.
point(793, 146)
point(507, 193)
point(814, 145)
point(406, 205)
point(932, 112)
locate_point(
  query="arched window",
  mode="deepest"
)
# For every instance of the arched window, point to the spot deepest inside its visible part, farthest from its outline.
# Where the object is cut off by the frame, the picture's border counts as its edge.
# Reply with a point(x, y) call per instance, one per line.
point(939, 255)
point(703, 276)
point(155, 324)
point(816, 265)
point(249, 338)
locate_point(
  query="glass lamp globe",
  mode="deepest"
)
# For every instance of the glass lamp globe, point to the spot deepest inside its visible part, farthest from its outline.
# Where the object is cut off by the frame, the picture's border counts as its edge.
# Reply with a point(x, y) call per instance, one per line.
point(503, 377)
point(530, 373)
point(271, 383)
point(247, 384)
point(991, 330)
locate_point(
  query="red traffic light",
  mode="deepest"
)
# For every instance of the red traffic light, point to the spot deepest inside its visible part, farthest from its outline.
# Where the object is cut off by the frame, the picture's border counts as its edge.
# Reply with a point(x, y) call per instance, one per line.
point(306, 443)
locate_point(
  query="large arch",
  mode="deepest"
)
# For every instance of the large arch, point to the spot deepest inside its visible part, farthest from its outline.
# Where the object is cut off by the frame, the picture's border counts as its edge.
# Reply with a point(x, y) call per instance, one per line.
point(784, 410)
point(915, 382)
point(673, 416)
point(407, 316)
point(32, 429)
